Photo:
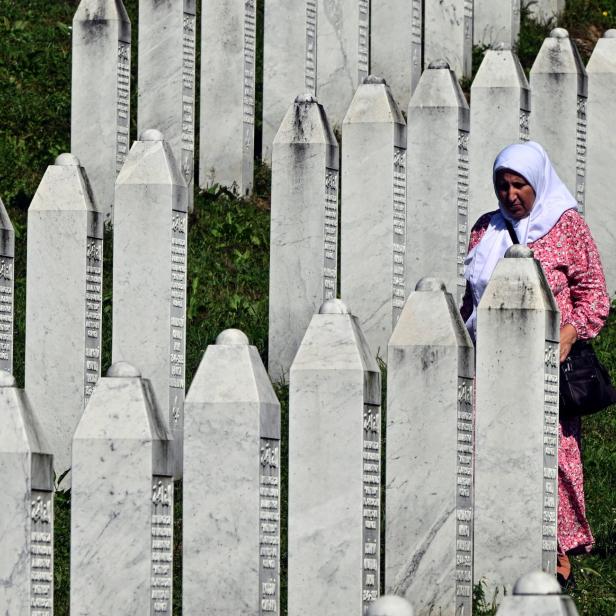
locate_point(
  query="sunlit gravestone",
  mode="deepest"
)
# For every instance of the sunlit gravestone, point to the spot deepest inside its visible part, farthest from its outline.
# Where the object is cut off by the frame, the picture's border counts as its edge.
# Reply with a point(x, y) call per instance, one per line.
point(26, 523)
point(499, 116)
point(496, 22)
point(600, 213)
point(7, 289)
point(559, 86)
point(167, 46)
point(304, 228)
point(544, 10)
point(231, 538)
point(227, 111)
point(438, 125)
point(150, 238)
point(430, 455)
point(100, 94)
point(122, 501)
point(334, 468)
point(373, 211)
point(518, 329)
point(64, 293)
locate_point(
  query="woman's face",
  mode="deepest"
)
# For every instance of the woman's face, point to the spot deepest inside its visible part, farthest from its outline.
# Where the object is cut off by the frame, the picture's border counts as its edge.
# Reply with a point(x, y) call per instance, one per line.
point(514, 193)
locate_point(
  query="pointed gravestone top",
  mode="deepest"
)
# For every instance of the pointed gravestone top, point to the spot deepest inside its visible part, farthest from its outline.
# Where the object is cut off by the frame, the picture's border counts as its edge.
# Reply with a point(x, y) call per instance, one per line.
point(439, 88)
point(333, 306)
point(123, 369)
point(151, 134)
point(305, 122)
point(560, 33)
point(67, 160)
point(101, 10)
point(232, 337)
point(500, 68)
point(373, 103)
point(7, 379)
point(436, 64)
point(519, 251)
point(390, 605)
point(537, 583)
point(610, 34)
point(430, 284)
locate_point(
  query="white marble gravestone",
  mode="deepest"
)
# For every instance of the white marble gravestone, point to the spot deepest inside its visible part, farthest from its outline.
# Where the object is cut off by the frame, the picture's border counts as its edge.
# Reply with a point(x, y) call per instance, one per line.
point(518, 330)
point(390, 605)
point(601, 214)
point(559, 85)
point(289, 56)
point(396, 46)
point(334, 468)
point(537, 594)
point(430, 453)
point(227, 112)
point(7, 289)
point(448, 34)
point(64, 293)
point(231, 537)
point(150, 236)
point(438, 180)
point(373, 211)
point(26, 523)
point(499, 116)
point(100, 94)
point(122, 501)
point(166, 79)
point(496, 22)
point(545, 10)
point(304, 228)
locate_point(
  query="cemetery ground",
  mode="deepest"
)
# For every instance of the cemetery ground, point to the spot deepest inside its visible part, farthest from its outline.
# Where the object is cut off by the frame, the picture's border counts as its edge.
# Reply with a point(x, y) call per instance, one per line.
point(228, 259)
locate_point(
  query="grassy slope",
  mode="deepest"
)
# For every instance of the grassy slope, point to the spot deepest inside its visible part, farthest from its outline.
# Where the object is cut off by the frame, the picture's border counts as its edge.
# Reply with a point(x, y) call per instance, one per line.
point(228, 250)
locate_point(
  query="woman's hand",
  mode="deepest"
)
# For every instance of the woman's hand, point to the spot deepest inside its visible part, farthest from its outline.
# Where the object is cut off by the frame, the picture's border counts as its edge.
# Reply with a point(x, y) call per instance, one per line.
point(568, 335)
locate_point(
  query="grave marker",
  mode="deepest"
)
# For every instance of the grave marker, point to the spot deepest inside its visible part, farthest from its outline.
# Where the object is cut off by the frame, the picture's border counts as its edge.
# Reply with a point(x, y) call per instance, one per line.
point(64, 293)
point(496, 22)
point(26, 523)
point(334, 468)
point(559, 85)
point(167, 44)
point(430, 452)
point(516, 422)
point(438, 202)
point(499, 116)
point(373, 211)
point(150, 234)
point(122, 501)
point(100, 94)
point(304, 228)
point(390, 605)
point(7, 289)
point(231, 538)
point(545, 10)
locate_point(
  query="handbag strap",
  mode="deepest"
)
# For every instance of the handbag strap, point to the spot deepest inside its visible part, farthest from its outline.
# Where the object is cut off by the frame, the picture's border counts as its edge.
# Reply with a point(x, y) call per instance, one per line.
point(512, 233)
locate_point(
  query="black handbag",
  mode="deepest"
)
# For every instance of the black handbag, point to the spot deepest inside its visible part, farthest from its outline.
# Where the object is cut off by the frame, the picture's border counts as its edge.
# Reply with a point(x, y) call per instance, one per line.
point(585, 386)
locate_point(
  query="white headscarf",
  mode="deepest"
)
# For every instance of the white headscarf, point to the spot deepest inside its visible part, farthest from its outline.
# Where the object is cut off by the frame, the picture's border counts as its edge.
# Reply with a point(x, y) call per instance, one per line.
point(552, 199)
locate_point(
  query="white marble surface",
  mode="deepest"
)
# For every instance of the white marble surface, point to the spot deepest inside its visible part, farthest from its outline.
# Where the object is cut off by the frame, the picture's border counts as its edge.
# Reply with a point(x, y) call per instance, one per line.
point(149, 275)
point(304, 228)
point(7, 289)
point(63, 302)
point(373, 212)
point(227, 114)
point(396, 37)
point(429, 471)
point(516, 424)
point(27, 474)
point(231, 481)
point(600, 212)
point(499, 117)
point(100, 94)
point(120, 445)
point(559, 85)
point(166, 78)
point(285, 53)
point(544, 10)
point(448, 34)
point(437, 180)
point(335, 387)
point(496, 21)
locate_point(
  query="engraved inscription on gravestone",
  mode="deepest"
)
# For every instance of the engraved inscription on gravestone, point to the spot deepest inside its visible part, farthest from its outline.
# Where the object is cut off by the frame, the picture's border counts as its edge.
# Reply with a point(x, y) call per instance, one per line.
point(363, 38)
point(464, 498)
point(580, 157)
point(94, 314)
point(462, 196)
point(162, 546)
point(41, 554)
point(399, 234)
point(524, 125)
point(188, 96)
point(550, 458)
point(330, 234)
point(416, 41)
point(123, 119)
point(250, 36)
point(269, 523)
point(6, 312)
point(311, 47)
point(371, 504)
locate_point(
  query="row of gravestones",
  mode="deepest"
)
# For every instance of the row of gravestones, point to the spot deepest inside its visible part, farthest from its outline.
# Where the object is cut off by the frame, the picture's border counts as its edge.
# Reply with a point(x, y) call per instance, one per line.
point(411, 190)
point(455, 447)
point(340, 42)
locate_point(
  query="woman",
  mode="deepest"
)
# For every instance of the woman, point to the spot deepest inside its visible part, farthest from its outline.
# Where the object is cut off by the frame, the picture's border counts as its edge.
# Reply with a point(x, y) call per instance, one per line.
point(543, 214)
